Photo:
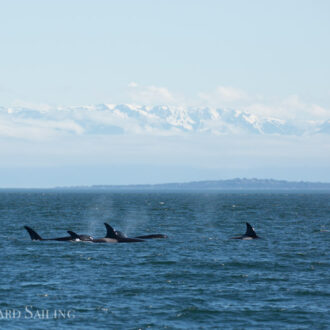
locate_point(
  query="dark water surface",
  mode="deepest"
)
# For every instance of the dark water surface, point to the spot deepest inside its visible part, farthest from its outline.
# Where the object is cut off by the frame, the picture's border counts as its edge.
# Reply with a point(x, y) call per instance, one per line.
point(196, 279)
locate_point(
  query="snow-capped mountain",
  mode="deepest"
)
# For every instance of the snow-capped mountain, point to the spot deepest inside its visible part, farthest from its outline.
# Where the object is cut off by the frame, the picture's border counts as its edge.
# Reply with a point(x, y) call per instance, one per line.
point(108, 119)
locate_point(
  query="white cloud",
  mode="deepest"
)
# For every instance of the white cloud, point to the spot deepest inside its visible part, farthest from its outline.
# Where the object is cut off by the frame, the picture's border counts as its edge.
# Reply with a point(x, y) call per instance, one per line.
point(295, 108)
point(152, 95)
point(294, 102)
point(229, 94)
point(31, 105)
point(292, 107)
point(133, 84)
point(224, 96)
point(319, 112)
point(36, 129)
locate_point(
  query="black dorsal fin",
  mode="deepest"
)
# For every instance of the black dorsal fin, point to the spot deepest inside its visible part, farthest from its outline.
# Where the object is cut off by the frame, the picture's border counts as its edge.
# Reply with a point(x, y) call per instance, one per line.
point(250, 231)
point(34, 236)
point(110, 231)
point(73, 234)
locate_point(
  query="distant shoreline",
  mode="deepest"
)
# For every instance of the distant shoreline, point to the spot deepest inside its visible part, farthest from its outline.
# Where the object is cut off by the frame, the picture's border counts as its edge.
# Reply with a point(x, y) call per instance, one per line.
point(236, 184)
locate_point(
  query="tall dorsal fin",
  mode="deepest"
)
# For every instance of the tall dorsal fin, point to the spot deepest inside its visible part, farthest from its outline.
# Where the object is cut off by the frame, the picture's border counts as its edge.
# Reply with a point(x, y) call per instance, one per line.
point(34, 236)
point(250, 231)
point(110, 231)
point(73, 234)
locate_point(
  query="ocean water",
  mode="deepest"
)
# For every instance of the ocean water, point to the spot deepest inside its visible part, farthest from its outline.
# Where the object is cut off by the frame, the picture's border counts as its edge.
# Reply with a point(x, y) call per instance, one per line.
point(197, 278)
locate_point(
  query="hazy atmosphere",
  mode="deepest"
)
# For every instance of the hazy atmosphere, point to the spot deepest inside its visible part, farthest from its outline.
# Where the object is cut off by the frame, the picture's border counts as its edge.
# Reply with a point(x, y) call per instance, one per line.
point(120, 92)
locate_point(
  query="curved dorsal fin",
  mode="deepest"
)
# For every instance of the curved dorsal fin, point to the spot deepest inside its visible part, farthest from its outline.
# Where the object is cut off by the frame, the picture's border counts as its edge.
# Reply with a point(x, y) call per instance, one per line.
point(250, 231)
point(34, 236)
point(110, 231)
point(73, 234)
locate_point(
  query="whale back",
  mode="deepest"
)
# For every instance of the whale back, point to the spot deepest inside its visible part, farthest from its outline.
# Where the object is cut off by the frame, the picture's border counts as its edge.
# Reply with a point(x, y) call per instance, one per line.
point(73, 234)
point(120, 234)
point(151, 236)
point(86, 238)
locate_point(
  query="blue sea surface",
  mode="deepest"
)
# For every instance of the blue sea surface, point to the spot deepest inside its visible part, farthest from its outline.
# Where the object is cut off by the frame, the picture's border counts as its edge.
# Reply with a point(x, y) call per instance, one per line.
point(198, 278)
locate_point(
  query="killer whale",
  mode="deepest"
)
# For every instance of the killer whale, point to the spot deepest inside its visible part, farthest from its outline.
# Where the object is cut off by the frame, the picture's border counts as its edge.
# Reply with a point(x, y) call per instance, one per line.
point(116, 236)
point(110, 237)
point(36, 237)
point(151, 236)
point(77, 237)
point(249, 234)
point(94, 240)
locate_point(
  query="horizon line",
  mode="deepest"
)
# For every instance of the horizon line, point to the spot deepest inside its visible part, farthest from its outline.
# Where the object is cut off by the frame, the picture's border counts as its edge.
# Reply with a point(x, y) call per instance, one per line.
point(97, 186)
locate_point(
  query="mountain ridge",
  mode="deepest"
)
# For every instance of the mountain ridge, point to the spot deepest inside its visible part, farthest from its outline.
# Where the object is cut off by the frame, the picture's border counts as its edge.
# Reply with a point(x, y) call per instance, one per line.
point(109, 119)
point(229, 184)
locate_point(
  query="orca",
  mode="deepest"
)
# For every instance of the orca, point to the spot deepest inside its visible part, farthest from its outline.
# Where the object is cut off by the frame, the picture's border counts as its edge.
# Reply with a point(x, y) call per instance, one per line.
point(249, 234)
point(36, 237)
point(151, 236)
point(93, 240)
point(84, 238)
point(111, 237)
point(115, 237)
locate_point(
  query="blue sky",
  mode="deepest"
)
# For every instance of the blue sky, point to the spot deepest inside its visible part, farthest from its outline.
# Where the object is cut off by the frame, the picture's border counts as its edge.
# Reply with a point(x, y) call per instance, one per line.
point(74, 52)
point(269, 56)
